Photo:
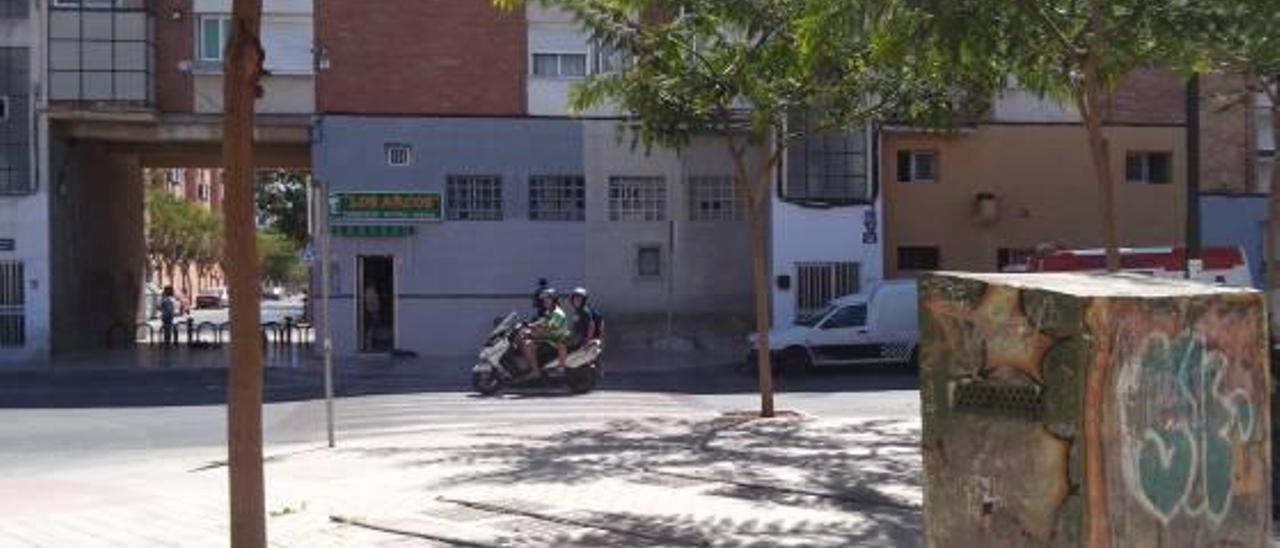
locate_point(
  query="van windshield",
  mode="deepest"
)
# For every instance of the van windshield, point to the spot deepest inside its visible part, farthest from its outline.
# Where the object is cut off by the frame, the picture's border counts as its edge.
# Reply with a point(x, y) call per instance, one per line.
point(812, 319)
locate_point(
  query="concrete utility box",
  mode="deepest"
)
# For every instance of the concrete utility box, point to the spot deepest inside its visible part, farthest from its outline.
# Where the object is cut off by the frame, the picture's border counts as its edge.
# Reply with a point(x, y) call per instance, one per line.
point(1089, 410)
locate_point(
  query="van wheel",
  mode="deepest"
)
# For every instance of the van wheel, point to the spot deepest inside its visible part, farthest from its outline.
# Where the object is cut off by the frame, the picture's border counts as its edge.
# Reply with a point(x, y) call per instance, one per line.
point(796, 360)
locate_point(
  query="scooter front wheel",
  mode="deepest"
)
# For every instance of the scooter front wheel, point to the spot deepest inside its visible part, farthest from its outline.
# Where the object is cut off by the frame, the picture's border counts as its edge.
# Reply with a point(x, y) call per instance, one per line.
point(487, 383)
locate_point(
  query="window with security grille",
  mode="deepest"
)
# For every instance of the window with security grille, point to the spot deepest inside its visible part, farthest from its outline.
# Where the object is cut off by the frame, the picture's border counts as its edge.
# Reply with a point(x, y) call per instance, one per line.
point(557, 198)
point(713, 199)
point(827, 167)
point(819, 283)
point(475, 198)
point(15, 122)
point(637, 199)
point(12, 305)
point(399, 155)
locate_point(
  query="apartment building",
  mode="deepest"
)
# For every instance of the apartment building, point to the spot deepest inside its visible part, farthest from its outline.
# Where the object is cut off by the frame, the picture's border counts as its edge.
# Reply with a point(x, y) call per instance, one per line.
point(509, 186)
point(24, 266)
point(985, 196)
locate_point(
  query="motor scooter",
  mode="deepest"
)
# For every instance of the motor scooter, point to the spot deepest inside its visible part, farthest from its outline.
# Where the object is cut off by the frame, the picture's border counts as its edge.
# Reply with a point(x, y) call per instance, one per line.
point(502, 365)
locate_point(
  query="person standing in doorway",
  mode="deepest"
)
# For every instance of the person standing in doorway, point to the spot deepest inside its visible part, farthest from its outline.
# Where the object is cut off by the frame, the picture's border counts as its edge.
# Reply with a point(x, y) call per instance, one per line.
point(168, 310)
point(539, 309)
point(372, 315)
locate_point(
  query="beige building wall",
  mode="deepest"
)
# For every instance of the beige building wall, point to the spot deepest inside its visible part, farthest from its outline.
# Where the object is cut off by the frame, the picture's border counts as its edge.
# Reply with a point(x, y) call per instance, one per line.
point(1044, 188)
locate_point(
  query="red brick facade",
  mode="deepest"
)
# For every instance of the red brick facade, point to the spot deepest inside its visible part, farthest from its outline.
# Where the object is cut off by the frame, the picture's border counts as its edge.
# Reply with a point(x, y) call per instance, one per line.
point(1149, 97)
point(1226, 135)
point(423, 57)
point(175, 45)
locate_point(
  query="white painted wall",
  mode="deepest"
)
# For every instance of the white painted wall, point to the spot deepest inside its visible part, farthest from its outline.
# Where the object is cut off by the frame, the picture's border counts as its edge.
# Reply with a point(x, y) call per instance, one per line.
point(1021, 105)
point(802, 235)
point(26, 218)
point(554, 31)
point(289, 94)
point(808, 234)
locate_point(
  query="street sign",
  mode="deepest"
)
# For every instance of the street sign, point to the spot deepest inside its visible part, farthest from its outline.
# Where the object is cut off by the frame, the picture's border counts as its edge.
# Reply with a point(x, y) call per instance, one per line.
point(385, 206)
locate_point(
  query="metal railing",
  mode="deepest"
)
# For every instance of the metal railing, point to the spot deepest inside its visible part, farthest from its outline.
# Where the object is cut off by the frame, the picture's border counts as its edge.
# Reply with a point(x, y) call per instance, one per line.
point(817, 283)
point(207, 334)
point(12, 305)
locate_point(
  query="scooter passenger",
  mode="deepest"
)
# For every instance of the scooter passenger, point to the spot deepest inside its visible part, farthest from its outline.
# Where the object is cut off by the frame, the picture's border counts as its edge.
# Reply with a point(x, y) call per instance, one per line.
point(552, 328)
point(587, 324)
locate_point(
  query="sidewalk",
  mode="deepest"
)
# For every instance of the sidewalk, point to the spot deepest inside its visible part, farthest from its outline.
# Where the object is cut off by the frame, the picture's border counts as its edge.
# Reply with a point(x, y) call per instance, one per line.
point(702, 481)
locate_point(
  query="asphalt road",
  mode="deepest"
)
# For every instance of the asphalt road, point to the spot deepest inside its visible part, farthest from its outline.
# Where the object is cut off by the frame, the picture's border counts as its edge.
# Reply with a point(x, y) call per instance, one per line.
point(36, 440)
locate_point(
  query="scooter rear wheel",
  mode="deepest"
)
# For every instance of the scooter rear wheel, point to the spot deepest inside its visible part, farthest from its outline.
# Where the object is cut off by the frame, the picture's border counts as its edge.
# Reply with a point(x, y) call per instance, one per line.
point(486, 383)
point(582, 379)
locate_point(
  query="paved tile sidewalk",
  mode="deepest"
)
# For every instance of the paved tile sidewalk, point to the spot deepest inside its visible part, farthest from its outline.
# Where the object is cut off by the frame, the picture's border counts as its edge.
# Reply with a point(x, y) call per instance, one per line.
point(698, 481)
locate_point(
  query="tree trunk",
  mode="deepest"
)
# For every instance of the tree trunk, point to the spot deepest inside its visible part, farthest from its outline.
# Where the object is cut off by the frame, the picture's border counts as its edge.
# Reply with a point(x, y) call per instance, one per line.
point(244, 391)
point(760, 286)
point(1091, 111)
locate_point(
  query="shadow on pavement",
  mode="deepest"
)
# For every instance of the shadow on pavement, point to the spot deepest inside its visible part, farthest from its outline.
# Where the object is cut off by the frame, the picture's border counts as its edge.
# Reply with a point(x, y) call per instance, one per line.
point(851, 484)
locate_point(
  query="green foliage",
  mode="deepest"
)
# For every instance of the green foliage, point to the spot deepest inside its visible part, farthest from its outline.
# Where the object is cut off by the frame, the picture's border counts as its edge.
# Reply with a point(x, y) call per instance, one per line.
point(1237, 37)
point(714, 66)
point(180, 233)
point(281, 197)
point(278, 259)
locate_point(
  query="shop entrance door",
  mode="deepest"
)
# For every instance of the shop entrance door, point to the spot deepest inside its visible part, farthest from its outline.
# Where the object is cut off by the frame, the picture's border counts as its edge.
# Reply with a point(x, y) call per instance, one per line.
point(376, 300)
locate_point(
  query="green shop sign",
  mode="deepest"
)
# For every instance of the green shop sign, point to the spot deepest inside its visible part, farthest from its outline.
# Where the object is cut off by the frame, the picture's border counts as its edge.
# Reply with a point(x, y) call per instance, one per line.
point(385, 206)
point(372, 231)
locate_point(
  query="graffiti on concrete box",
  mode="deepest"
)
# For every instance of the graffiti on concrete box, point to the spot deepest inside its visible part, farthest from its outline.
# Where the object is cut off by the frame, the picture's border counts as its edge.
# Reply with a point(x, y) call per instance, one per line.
point(1182, 425)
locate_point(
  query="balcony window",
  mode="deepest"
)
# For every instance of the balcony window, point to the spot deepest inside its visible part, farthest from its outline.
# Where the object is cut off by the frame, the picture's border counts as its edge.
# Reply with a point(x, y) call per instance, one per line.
point(213, 37)
point(560, 65)
point(1154, 168)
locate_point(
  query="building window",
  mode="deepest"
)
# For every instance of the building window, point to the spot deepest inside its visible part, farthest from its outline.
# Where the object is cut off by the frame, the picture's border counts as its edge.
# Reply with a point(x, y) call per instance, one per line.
point(608, 60)
point(827, 167)
point(637, 199)
point(1148, 167)
point(214, 30)
point(203, 191)
point(713, 199)
point(83, 3)
point(12, 305)
point(649, 261)
point(557, 198)
point(175, 177)
point(399, 155)
point(1011, 259)
point(475, 198)
point(560, 65)
point(917, 166)
point(819, 283)
point(4, 108)
point(919, 258)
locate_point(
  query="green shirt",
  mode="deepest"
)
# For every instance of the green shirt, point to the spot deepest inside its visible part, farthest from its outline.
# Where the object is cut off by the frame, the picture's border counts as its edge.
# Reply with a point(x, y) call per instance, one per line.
point(557, 324)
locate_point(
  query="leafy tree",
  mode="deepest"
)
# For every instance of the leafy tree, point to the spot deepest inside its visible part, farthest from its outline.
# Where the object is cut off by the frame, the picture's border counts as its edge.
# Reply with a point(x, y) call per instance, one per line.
point(279, 259)
point(739, 70)
point(1071, 50)
point(281, 197)
point(180, 235)
point(1242, 37)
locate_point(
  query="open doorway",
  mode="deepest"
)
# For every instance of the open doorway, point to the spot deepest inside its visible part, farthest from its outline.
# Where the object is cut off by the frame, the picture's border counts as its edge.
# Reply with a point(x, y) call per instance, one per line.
point(376, 302)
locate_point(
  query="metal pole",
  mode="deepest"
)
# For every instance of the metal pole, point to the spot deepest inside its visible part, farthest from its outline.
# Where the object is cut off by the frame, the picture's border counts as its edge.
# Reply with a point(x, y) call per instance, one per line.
point(1192, 253)
point(323, 213)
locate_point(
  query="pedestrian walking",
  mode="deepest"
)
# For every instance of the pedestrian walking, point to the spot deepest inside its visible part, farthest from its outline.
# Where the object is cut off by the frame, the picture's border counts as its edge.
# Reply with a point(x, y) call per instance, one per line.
point(168, 310)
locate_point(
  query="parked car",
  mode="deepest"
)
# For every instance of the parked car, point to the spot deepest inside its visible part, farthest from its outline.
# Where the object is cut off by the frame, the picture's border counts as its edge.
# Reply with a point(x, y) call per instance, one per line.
point(213, 297)
point(879, 327)
point(274, 293)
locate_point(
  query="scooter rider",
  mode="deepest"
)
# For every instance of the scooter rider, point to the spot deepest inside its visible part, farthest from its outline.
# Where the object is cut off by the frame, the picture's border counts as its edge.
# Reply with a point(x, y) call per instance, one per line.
point(587, 324)
point(551, 328)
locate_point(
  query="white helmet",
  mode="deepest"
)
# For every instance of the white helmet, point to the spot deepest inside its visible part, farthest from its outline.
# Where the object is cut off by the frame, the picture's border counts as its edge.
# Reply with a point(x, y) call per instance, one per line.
point(581, 292)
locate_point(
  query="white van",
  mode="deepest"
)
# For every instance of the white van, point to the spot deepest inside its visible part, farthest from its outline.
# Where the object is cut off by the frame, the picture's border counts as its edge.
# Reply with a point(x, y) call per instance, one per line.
point(879, 327)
